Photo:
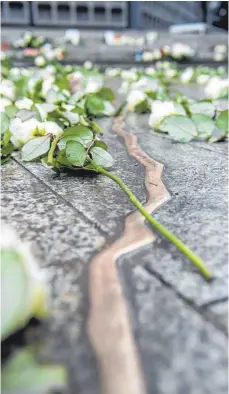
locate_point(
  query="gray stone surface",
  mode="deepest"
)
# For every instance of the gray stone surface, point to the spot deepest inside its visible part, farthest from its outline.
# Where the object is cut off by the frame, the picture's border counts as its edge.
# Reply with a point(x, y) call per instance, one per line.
point(181, 353)
point(220, 313)
point(197, 212)
point(64, 244)
point(178, 319)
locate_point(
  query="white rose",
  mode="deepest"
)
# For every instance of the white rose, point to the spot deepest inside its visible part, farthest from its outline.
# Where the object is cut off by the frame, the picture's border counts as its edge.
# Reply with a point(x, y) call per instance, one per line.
point(72, 117)
point(214, 87)
point(156, 54)
point(161, 109)
point(4, 102)
point(202, 79)
point(23, 131)
point(170, 73)
point(150, 70)
point(187, 75)
point(222, 48)
point(219, 57)
point(135, 97)
point(44, 109)
point(129, 75)
point(48, 84)
point(15, 72)
point(112, 72)
point(93, 85)
point(88, 65)
point(179, 50)
point(39, 61)
point(24, 103)
point(7, 89)
point(51, 128)
point(147, 56)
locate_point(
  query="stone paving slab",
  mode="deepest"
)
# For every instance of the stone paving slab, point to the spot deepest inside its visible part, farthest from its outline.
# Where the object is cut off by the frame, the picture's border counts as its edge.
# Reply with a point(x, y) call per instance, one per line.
point(64, 243)
point(178, 319)
point(181, 353)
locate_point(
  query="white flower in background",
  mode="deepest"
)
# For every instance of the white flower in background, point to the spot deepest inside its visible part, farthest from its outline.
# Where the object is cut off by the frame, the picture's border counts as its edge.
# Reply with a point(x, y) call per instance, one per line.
point(187, 75)
point(51, 128)
point(109, 108)
point(170, 73)
point(147, 56)
point(215, 86)
point(151, 36)
point(44, 109)
point(221, 48)
point(68, 107)
point(135, 97)
point(180, 50)
point(24, 103)
point(140, 41)
point(150, 70)
point(166, 49)
point(88, 65)
point(7, 89)
point(4, 102)
point(129, 75)
point(27, 36)
point(124, 87)
point(156, 54)
point(50, 69)
point(23, 131)
point(93, 84)
point(202, 79)
point(73, 117)
point(48, 84)
point(76, 81)
point(219, 57)
point(112, 72)
point(2, 55)
point(15, 72)
point(161, 109)
point(39, 61)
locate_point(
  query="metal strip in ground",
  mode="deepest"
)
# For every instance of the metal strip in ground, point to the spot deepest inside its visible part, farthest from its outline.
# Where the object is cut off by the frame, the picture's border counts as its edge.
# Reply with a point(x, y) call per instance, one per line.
point(109, 327)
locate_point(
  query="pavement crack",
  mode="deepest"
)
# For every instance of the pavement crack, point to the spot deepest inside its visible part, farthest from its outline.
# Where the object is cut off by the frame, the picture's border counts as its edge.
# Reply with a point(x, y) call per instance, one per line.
point(190, 304)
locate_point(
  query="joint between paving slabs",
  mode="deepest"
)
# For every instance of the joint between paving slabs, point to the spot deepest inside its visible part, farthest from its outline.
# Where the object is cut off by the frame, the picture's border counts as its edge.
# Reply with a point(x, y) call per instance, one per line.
point(201, 310)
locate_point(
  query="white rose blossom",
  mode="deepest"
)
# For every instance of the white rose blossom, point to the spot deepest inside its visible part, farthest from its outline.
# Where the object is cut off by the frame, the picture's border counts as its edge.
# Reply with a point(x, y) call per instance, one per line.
point(215, 86)
point(40, 61)
point(202, 79)
point(24, 131)
point(161, 109)
point(7, 89)
point(4, 102)
point(24, 103)
point(135, 97)
point(73, 117)
point(44, 109)
point(187, 75)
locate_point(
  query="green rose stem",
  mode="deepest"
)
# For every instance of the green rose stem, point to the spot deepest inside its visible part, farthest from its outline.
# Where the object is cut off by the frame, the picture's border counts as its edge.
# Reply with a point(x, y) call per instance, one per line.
point(171, 237)
point(53, 148)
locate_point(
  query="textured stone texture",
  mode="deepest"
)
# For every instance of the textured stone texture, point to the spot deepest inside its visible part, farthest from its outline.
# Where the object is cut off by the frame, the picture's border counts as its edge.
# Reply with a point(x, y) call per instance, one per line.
point(178, 319)
point(197, 213)
point(181, 353)
point(64, 243)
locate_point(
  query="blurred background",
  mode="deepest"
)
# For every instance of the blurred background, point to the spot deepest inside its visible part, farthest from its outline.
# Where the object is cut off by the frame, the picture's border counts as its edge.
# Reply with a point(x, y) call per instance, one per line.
point(114, 14)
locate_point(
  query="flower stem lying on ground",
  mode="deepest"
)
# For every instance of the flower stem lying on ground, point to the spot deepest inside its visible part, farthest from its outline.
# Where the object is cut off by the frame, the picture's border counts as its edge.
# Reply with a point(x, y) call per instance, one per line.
point(197, 261)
